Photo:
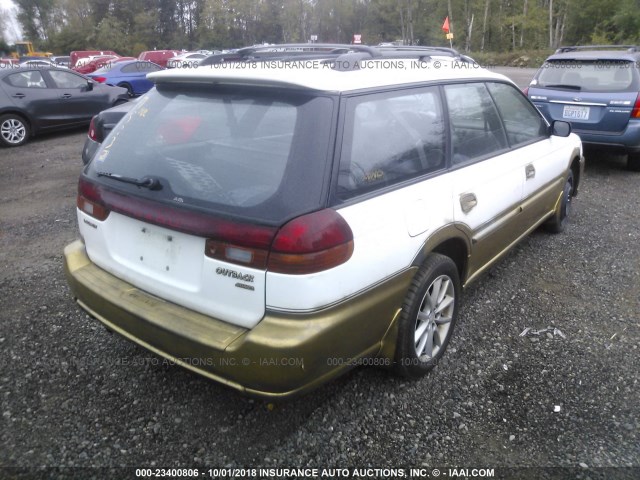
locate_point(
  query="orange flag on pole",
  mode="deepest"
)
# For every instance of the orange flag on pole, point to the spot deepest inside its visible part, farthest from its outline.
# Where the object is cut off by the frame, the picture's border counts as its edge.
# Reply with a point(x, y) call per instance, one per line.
point(445, 25)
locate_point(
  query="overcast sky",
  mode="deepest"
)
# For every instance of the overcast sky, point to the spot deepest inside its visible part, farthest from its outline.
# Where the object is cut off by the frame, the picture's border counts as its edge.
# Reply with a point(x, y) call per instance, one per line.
point(12, 31)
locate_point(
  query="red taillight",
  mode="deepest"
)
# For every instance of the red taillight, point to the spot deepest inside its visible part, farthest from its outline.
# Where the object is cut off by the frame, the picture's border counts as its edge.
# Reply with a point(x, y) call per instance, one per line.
point(176, 218)
point(100, 79)
point(308, 244)
point(93, 132)
point(241, 243)
point(635, 113)
point(90, 200)
point(311, 243)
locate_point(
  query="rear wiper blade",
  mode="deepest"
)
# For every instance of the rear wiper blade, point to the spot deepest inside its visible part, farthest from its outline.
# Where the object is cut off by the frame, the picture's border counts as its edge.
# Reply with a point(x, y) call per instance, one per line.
point(152, 183)
point(561, 85)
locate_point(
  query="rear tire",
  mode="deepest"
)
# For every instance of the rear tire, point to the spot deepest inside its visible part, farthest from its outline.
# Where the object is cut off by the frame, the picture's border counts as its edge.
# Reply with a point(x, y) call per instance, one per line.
point(428, 316)
point(14, 130)
point(558, 223)
point(633, 162)
point(128, 87)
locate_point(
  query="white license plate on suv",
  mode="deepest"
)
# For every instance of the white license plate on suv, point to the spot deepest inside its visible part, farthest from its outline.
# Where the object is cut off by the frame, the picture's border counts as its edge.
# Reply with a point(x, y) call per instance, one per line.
point(575, 113)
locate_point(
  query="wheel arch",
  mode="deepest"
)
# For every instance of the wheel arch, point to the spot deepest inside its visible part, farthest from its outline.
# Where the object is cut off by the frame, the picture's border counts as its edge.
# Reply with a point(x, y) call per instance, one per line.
point(451, 242)
point(32, 126)
point(577, 167)
point(126, 84)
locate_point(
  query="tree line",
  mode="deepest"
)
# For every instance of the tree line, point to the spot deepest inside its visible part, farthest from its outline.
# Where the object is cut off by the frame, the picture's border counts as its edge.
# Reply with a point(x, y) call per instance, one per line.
point(130, 26)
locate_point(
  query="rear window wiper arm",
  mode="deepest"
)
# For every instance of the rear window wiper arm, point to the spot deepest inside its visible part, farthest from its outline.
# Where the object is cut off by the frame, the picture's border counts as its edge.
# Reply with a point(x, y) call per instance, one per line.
point(152, 183)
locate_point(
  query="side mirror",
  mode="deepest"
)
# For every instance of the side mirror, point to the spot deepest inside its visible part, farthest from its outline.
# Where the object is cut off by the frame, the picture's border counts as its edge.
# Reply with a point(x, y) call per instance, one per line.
point(560, 128)
point(90, 84)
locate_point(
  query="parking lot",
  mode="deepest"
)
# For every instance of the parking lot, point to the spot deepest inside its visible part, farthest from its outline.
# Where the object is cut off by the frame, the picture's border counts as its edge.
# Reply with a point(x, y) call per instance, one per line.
point(542, 373)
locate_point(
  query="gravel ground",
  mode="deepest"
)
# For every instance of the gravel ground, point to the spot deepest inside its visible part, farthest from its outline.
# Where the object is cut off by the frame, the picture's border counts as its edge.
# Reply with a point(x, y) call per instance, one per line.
point(74, 395)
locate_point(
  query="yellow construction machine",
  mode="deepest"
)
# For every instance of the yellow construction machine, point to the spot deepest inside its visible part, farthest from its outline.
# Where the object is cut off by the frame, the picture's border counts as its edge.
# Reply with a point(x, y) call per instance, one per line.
point(25, 49)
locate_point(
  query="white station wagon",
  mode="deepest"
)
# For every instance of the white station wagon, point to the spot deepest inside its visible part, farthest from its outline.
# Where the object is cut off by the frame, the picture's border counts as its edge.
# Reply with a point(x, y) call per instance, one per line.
point(273, 219)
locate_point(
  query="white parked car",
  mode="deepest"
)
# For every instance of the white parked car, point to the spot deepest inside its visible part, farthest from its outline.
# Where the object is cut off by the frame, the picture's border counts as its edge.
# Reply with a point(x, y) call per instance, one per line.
point(271, 227)
point(186, 60)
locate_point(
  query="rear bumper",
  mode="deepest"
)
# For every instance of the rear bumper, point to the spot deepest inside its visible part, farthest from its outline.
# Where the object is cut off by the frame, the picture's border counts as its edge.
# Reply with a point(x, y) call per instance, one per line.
point(627, 141)
point(284, 355)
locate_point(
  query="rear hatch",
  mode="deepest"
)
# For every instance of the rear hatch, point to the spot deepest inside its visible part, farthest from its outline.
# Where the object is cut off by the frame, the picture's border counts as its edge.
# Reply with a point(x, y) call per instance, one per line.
point(186, 196)
point(595, 96)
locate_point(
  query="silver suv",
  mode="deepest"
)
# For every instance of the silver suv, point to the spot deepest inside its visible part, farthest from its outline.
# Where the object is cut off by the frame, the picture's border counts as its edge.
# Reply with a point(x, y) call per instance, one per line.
point(280, 215)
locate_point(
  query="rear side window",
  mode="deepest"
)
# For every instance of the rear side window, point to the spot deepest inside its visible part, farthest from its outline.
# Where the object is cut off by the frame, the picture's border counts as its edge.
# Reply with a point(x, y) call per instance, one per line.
point(390, 138)
point(140, 67)
point(246, 151)
point(32, 79)
point(476, 127)
point(593, 76)
point(522, 121)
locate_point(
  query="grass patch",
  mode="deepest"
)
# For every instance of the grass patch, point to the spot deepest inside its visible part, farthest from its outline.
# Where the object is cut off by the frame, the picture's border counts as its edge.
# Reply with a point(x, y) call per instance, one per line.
point(519, 58)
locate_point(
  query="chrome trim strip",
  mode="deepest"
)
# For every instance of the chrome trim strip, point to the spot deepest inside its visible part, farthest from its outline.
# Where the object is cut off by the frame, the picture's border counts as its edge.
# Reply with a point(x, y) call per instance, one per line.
point(348, 298)
point(589, 104)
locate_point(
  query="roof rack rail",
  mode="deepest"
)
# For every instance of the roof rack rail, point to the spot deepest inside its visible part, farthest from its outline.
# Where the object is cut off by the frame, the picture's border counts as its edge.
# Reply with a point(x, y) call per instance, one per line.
point(347, 55)
point(628, 48)
point(413, 48)
point(288, 51)
point(426, 50)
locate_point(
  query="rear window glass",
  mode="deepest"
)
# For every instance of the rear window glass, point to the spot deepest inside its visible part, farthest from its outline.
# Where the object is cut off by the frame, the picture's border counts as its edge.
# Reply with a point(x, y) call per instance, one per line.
point(391, 138)
point(256, 153)
point(595, 76)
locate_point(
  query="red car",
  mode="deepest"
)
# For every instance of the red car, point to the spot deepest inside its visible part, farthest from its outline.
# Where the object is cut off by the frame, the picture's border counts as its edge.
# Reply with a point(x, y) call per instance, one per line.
point(77, 55)
point(159, 57)
point(99, 62)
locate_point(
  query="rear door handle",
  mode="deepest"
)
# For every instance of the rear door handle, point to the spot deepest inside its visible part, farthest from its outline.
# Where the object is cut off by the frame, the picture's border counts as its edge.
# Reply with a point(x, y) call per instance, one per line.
point(530, 171)
point(66, 95)
point(19, 95)
point(468, 201)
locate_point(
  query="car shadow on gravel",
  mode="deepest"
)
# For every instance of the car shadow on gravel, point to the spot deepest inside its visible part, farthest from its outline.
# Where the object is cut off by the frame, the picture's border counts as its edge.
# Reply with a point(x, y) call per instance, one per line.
point(598, 162)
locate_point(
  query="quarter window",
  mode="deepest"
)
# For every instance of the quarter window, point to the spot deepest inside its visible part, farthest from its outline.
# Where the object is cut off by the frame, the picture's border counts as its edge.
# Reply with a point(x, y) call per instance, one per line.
point(131, 68)
point(476, 128)
point(389, 139)
point(30, 79)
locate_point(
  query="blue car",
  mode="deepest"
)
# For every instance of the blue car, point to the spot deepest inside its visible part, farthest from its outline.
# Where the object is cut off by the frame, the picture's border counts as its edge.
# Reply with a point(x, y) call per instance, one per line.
point(596, 90)
point(130, 74)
